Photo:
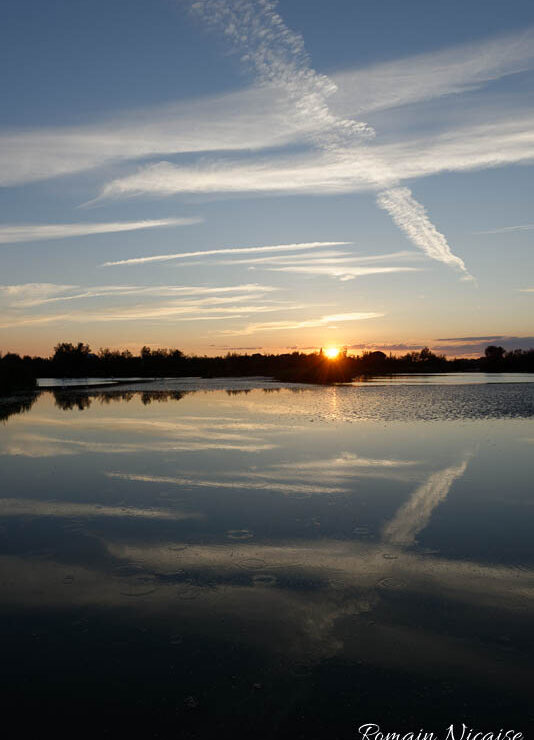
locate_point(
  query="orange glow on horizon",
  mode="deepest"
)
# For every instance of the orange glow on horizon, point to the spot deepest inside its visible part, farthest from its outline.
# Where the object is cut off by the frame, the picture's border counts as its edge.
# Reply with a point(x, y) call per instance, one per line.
point(332, 353)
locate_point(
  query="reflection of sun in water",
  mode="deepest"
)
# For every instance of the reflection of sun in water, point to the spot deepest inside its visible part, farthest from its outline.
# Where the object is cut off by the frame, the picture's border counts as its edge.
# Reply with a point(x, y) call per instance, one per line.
point(332, 352)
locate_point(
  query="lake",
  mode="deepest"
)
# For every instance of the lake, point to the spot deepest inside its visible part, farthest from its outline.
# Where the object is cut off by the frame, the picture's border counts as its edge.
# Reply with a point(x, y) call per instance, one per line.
point(190, 558)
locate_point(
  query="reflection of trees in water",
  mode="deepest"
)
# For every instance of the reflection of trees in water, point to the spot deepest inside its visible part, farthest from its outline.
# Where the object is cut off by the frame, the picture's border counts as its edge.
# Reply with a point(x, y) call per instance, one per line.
point(81, 400)
point(16, 405)
point(106, 398)
point(148, 397)
point(69, 401)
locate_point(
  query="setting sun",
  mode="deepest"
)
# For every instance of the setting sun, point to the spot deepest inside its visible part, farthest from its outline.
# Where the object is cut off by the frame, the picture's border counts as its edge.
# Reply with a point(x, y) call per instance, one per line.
point(332, 352)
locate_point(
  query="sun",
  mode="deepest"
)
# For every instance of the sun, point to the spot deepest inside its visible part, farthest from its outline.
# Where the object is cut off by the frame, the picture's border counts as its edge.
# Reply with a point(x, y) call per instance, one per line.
point(332, 353)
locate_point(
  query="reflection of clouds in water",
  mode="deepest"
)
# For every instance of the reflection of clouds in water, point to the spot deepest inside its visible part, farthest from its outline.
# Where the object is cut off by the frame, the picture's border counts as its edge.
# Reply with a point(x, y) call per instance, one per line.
point(232, 484)
point(351, 578)
point(33, 507)
point(298, 478)
point(26, 445)
point(299, 624)
point(233, 431)
point(341, 468)
point(185, 424)
point(294, 595)
point(34, 445)
point(190, 433)
point(414, 515)
point(345, 462)
point(358, 565)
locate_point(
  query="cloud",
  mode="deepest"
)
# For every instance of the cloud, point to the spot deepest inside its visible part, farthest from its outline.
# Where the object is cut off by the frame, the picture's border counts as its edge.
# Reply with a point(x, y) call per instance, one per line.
point(27, 295)
point(507, 229)
point(305, 324)
point(235, 349)
point(249, 119)
point(13, 233)
point(342, 272)
point(33, 294)
point(411, 217)
point(229, 250)
point(457, 347)
point(195, 311)
point(385, 346)
point(491, 337)
point(477, 347)
point(318, 257)
point(190, 303)
point(432, 75)
point(277, 55)
point(337, 264)
point(263, 116)
point(322, 173)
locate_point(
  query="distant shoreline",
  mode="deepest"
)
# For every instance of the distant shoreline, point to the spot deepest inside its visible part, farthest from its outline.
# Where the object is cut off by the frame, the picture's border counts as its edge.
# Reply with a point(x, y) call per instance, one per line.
point(78, 361)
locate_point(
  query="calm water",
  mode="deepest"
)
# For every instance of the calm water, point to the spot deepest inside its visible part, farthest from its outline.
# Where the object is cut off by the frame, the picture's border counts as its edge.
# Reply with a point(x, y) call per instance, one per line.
point(185, 562)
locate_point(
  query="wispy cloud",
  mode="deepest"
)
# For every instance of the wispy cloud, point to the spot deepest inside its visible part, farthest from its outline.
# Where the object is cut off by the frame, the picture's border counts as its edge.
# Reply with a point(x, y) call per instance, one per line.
point(249, 119)
point(277, 55)
point(411, 217)
point(507, 229)
point(190, 303)
point(469, 339)
point(13, 233)
point(225, 250)
point(258, 117)
point(27, 295)
point(329, 255)
point(198, 311)
point(304, 324)
point(476, 346)
point(432, 75)
point(461, 149)
point(336, 264)
point(385, 346)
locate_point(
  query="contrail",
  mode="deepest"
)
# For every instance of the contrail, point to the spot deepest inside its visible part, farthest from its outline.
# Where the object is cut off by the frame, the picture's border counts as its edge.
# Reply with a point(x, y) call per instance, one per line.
point(228, 250)
point(277, 56)
point(410, 216)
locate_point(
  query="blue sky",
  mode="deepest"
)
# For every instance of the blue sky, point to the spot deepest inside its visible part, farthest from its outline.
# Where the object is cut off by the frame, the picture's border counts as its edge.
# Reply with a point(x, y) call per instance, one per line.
point(229, 174)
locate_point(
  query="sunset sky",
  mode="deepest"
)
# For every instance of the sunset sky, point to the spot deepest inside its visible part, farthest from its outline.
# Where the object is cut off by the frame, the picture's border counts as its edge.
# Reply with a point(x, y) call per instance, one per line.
point(244, 175)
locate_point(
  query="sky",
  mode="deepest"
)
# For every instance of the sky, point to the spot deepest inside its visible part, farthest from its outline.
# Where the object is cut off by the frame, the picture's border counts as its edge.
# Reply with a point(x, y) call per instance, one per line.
point(252, 176)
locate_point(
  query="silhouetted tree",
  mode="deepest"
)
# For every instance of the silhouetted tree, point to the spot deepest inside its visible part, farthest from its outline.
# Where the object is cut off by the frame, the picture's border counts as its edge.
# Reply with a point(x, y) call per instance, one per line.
point(77, 361)
point(494, 353)
point(16, 373)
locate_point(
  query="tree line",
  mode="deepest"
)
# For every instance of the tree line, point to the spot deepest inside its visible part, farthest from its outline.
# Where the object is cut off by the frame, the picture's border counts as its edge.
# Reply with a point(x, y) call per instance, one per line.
point(79, 361)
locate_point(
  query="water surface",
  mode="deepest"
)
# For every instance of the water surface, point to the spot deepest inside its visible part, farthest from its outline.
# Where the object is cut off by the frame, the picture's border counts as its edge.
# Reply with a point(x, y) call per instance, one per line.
point(273, 562)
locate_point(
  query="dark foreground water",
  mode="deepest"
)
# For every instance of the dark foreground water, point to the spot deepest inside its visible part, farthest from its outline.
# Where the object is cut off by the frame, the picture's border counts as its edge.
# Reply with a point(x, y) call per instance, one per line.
point(267, 563)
